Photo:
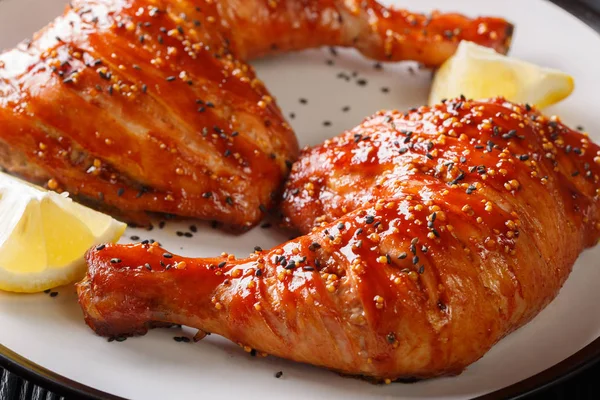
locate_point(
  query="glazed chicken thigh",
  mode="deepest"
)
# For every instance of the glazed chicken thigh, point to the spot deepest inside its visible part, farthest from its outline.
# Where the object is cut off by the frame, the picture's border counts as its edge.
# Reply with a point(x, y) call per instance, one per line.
point(429, 236)
point(137, 106)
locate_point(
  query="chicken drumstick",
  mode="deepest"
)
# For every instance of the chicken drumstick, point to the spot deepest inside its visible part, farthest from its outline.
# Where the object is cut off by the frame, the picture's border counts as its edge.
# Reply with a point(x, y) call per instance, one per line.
point(429, 236)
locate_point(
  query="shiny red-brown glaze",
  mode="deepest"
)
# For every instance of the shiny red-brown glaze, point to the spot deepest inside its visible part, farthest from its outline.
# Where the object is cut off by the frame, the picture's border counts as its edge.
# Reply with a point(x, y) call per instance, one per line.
point(141, 106)
point(429, 235)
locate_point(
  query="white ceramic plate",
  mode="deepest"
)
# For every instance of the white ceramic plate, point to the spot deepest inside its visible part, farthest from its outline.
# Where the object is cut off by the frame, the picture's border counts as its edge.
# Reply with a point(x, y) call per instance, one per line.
point(49, 331)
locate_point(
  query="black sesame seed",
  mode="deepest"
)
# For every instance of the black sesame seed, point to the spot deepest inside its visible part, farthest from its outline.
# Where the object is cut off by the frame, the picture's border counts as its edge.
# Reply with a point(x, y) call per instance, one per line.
point(222, 264)
point(369, 219)
point(134, 237)
point(459, 178)
point(421, 269)
point(229, 200)
point(120, 192)
point(148, 267)
point(361, 82)
point(171, 78)
point(266, 225)
point(512, 133)
point(259, 272)
point(53, 294)
point(471, 189)
point(257, 248)
point(385, 89)
point(263, 208)
point(121, 338)
point(115, 260)
point(168, 255)
point(278, 374)
point(314, 246)
point(391, 338)
point(100, 247)
point(177, 338)
point(291, 265)
point(402, 256)
point(47, 291)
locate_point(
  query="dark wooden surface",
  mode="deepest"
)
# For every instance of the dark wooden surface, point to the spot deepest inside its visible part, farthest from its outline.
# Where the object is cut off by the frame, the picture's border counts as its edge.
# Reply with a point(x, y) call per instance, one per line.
point(585, 385)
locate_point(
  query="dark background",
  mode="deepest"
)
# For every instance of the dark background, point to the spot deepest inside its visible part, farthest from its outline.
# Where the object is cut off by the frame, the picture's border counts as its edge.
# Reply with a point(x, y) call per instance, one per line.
point(584, 385)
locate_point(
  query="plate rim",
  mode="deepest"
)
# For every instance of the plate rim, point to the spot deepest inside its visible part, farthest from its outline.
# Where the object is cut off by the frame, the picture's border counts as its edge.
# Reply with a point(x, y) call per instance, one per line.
point(569, 367)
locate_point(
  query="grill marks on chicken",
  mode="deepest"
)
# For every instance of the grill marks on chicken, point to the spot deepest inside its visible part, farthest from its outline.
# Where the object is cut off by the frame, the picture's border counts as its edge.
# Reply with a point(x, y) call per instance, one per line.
point(144, 106)
point(429, 236)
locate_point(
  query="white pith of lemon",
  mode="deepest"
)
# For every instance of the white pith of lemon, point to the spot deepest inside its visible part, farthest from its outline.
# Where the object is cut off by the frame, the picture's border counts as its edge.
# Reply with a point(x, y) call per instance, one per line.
point(479, 72)
point(44, 236)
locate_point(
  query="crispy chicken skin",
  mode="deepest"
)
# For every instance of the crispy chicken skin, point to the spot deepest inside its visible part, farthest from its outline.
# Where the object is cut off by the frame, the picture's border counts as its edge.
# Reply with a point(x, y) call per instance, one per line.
point(139, 106)
point(430, 235)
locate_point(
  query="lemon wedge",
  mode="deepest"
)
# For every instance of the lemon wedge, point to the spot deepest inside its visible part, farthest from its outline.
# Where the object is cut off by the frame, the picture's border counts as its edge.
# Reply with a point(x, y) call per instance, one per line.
point(44, 236)
point(479, 72)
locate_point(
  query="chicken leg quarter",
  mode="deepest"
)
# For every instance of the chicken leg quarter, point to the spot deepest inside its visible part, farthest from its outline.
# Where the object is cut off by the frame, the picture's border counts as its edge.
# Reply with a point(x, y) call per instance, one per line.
point(429, 236)
point(137, 106)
